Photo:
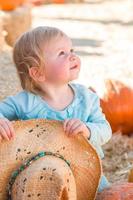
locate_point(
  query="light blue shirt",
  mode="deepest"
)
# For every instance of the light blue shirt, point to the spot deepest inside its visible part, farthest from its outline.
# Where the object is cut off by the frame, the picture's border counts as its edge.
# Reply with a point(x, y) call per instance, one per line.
point(85, 106)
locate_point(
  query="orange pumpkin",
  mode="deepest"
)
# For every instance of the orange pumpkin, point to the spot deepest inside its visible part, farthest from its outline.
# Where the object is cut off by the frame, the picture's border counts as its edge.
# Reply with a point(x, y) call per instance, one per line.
point(9, 5)
point(123, 191)
point(117, 105)
point(58, 1)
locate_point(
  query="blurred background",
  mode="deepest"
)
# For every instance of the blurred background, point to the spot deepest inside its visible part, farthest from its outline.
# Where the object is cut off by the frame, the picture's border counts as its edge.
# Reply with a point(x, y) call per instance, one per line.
point(102, 34)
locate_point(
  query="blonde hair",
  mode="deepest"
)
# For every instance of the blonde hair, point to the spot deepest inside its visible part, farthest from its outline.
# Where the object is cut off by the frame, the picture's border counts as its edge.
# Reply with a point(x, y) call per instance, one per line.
point(28, 52)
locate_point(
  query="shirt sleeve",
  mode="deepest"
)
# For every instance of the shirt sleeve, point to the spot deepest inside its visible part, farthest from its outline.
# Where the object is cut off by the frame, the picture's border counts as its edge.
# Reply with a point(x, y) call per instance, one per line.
point(98, 125)
point(9, 109)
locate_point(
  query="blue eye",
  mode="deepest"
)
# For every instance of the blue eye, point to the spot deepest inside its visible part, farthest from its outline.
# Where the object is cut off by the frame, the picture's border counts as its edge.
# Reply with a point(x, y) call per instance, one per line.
point(61, 53)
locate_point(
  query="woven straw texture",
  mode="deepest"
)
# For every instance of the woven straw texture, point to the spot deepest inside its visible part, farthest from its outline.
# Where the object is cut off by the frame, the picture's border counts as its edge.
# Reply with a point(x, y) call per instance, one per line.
point(79, 181)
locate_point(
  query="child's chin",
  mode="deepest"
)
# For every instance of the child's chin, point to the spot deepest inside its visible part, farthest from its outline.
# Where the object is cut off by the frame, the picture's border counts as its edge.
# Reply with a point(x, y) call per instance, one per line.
point(74, 78)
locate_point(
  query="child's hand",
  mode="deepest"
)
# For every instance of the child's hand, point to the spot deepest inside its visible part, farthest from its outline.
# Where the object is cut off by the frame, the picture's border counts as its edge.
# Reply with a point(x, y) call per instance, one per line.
point(6, 129)
point(73, 127)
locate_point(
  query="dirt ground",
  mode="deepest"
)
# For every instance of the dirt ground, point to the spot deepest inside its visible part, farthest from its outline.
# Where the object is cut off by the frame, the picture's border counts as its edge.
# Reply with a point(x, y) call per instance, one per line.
point(102, 33)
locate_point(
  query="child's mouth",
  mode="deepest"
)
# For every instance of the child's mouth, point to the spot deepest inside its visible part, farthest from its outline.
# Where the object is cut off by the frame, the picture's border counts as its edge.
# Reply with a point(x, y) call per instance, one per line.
point(75, 66)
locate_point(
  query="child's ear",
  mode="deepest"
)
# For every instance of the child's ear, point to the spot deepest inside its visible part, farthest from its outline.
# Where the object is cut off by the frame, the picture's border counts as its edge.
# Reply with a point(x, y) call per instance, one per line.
point(37, 74)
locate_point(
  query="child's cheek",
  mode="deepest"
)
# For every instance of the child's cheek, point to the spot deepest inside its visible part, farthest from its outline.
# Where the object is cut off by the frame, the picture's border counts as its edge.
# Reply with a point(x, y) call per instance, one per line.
point(60, 68)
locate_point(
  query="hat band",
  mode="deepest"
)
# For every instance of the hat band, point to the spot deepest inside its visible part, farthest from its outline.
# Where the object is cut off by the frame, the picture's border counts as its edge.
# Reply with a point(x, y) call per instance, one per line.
point(28, 163)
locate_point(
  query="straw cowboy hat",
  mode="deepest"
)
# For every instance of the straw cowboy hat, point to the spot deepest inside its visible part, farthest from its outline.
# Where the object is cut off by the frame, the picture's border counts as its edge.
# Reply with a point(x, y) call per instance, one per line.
point(43, 163)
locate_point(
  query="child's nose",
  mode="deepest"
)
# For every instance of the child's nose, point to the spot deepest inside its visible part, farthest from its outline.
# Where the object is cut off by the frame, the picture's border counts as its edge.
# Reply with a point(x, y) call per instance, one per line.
point(72, 56)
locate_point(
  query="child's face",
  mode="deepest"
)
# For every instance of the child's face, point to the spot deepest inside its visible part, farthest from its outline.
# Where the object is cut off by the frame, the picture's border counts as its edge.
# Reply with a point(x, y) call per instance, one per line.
point(61, 63)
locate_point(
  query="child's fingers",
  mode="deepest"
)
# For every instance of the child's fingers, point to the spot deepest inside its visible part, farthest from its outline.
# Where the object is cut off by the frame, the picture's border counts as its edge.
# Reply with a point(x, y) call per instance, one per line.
point(65, 123)
point(74, 125)
point(11, 128)
point(3, 133)
point(77, 130)
point(69, 124)
point(6, 128)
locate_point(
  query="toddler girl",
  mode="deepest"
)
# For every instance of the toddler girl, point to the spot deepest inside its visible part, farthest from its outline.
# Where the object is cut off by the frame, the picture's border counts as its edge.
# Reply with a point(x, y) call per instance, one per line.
point(46, 64)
